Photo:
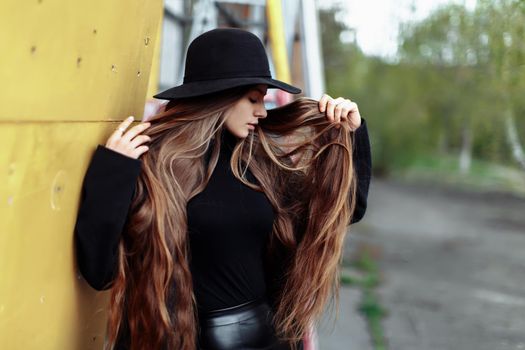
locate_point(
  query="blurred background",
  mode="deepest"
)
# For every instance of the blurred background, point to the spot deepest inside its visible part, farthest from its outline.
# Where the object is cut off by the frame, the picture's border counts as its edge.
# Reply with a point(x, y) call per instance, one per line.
point(438, 260)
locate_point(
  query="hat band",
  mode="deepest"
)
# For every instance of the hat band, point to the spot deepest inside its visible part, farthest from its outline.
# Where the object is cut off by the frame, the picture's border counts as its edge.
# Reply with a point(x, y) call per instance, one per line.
point(245, 74)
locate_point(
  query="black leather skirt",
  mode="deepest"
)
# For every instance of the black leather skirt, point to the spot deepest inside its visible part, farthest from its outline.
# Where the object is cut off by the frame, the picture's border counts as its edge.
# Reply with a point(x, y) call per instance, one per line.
point(246, 326)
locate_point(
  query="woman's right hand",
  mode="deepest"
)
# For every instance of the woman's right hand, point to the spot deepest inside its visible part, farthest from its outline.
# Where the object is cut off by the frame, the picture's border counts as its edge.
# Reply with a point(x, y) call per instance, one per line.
point(129, 143)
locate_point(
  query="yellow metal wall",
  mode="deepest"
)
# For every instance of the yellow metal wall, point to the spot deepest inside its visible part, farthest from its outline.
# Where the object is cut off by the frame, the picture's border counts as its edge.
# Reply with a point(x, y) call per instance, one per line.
point(274, 14)
point(68, 71)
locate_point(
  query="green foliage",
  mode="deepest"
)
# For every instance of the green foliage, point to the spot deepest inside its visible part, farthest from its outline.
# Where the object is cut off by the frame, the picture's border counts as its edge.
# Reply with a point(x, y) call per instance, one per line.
point(348, 280)
point(484, 175)
point(458, 71)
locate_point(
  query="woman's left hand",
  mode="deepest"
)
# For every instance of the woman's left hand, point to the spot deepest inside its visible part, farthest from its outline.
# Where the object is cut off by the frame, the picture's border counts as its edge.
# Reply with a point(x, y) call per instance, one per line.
point(340, 110)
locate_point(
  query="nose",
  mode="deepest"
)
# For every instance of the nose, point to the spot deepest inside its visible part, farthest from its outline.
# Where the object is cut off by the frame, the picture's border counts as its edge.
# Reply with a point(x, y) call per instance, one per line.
point(261, 112)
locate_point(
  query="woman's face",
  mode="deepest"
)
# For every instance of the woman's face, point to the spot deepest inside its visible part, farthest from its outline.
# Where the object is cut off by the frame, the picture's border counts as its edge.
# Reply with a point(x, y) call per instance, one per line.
point(247, 110)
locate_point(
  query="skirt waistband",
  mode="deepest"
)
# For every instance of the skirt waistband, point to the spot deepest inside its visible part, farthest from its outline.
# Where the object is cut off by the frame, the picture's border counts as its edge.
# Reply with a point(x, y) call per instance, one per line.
point(235, 313)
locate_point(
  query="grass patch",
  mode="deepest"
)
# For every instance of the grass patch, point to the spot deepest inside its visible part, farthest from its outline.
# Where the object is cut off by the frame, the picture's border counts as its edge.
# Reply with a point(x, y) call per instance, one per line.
point(348, 280)
point(370, 306)
point(373, 311)
point(482, 175)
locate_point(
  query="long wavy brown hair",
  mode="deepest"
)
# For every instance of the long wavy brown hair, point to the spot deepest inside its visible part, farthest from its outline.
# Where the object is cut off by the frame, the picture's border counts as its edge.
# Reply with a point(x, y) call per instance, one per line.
point(304, 167)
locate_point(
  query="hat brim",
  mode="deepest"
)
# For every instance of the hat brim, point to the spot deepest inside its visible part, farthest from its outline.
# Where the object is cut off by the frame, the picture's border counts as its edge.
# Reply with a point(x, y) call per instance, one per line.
point(198, 88)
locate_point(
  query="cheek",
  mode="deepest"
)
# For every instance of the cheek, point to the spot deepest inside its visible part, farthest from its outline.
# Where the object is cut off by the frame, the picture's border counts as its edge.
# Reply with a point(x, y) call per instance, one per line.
point(240, 116)
point(244, 112)
point(234, 124)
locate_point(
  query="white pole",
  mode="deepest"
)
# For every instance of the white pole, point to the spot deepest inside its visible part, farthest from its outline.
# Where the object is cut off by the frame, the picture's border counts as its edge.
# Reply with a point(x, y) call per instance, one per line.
point(311, 49)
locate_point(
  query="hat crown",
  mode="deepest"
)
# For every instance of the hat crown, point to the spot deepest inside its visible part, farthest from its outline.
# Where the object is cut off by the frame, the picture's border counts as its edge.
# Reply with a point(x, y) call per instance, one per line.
point(225, 53)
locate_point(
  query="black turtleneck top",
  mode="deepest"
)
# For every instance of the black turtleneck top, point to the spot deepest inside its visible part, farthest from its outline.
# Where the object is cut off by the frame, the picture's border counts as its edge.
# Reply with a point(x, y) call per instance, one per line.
point(228, 224)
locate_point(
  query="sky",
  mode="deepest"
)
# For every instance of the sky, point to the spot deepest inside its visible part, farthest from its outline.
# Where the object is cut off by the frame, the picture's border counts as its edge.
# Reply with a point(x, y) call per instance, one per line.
point(376, 21)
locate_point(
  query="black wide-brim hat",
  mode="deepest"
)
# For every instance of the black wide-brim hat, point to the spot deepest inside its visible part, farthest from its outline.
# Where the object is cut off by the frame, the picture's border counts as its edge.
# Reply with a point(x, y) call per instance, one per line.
point(224, 58)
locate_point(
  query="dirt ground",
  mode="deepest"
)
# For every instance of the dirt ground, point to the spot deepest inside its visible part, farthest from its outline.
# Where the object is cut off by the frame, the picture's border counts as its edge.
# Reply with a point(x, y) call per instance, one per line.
point(453, 269)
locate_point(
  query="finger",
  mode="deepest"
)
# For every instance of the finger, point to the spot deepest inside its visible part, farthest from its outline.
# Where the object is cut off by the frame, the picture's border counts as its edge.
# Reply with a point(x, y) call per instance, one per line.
point(330, 108)
point(322, 102)
point(139, 140)
point(353, 114)
point(346, 108)
point(140, 151)
point(125, 124)
point(134, 131)
point(355, 119)
point(339, 109)
point(120, 129)
point(345, 111)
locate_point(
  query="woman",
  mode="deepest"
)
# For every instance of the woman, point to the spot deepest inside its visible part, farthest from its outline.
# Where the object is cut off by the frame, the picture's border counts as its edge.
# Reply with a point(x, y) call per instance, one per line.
point(227, 232)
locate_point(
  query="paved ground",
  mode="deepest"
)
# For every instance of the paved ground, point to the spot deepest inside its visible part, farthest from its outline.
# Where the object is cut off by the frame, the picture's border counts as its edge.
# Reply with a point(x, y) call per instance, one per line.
point(453, 266)
point(349, 331)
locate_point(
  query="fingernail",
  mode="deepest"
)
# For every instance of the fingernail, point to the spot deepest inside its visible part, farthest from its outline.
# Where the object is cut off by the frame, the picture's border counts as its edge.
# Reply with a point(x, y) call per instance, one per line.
point(131, 117)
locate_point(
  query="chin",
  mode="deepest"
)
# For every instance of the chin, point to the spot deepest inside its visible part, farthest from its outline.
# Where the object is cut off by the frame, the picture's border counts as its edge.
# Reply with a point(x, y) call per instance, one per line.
point(243, 134)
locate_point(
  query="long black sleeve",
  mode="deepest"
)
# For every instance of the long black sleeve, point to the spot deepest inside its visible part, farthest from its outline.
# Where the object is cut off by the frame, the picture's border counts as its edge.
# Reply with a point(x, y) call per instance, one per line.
point(107, 191)
point(363, 169)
